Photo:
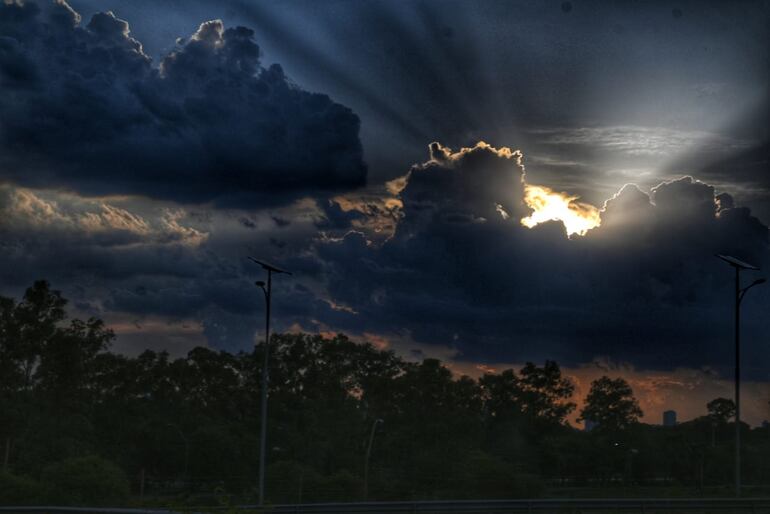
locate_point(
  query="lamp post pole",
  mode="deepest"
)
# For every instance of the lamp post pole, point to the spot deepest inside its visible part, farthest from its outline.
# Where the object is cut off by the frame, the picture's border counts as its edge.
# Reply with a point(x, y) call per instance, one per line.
point(739, 294)
point(737, 381)
point(265, 373)
point(265, 381)
point(368, 455)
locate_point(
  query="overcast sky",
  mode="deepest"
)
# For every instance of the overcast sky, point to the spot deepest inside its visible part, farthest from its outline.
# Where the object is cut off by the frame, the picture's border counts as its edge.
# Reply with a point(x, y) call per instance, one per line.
point(148, 147)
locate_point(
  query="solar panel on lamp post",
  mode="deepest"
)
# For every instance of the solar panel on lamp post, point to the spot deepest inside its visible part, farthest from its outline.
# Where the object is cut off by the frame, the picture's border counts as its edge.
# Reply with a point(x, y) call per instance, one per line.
point(739, 294)
point(265, 371)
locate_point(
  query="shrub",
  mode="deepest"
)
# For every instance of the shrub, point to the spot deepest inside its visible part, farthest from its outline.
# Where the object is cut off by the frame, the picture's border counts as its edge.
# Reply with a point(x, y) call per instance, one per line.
point(85, 480)
point(289, 481)
point(487, 476)
point(341, 486)
point(18, 490)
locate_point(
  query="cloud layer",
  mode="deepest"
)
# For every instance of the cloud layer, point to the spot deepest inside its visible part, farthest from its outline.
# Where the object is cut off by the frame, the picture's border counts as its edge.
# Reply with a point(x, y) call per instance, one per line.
point(83, 107)
point(642, 287)
point(437, 263)
point(436, 259)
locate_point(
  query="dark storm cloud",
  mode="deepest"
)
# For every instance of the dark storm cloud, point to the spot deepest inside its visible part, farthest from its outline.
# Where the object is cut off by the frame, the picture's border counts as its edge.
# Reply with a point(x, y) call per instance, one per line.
point(598, 96)
point(83, 107)
point(746, 165)
point(749, 167)
point(459, 71)
point(644, 287)
point(459, 271)
point(137, 261)
point(335, 217)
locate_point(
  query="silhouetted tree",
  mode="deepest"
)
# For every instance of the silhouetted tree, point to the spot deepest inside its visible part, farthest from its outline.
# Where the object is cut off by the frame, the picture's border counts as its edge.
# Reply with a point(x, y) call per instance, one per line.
point(68, 407)
point(537, 393)
point(721, 410)
point(545, 392)
point(611, 404)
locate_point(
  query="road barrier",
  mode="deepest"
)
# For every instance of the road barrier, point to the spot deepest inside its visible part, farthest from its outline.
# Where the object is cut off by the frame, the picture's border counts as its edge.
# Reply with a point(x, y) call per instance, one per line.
point(576, 506)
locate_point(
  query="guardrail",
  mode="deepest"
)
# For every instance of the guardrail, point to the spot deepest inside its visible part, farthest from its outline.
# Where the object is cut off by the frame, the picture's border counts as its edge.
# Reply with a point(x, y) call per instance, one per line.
point(645, 506)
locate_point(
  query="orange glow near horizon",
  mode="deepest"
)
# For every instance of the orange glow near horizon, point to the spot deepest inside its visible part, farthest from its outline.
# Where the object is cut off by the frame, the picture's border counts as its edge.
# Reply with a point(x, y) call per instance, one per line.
point(549, 205)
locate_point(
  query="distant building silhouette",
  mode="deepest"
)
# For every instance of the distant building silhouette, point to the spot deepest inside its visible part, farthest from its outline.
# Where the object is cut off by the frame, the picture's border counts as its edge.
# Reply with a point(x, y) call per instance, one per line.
point(669, 418)
point(589, 425)
point(766, 424)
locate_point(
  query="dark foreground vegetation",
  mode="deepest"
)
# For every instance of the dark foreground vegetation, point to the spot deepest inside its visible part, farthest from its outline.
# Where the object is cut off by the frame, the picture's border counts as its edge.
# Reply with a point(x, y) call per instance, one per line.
point(79, 424)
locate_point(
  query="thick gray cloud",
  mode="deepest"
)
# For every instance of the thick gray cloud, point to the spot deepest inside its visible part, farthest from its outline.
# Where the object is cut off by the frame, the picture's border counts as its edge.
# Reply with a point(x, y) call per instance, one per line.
point(135, 262)
point(453, 267)
point(643, 287)
point(516, 70)
point(84, 108)
point(597, 97)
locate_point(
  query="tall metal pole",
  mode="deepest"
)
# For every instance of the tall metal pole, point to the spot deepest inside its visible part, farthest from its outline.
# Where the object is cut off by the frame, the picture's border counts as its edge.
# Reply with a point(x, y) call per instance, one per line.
point(739, 294)
point(737, 381)
point(368, 455)
point(265, 371)
point(265, 381)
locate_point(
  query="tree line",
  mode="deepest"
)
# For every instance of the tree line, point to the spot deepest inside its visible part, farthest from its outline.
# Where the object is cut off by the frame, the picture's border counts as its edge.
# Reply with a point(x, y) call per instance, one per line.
point(81, 424)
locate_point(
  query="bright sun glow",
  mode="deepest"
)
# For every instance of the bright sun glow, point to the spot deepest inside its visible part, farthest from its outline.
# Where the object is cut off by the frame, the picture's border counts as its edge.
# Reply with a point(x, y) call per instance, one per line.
point(548, 205)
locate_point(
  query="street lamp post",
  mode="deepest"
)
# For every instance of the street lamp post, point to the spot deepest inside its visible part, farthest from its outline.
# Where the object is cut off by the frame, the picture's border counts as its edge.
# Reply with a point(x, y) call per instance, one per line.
point(368, 454)
point(739, 294)
point(265, 370)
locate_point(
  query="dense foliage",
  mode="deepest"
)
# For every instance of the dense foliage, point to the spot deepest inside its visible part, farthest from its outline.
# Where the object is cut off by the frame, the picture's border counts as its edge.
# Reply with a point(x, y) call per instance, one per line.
point(80, 424)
